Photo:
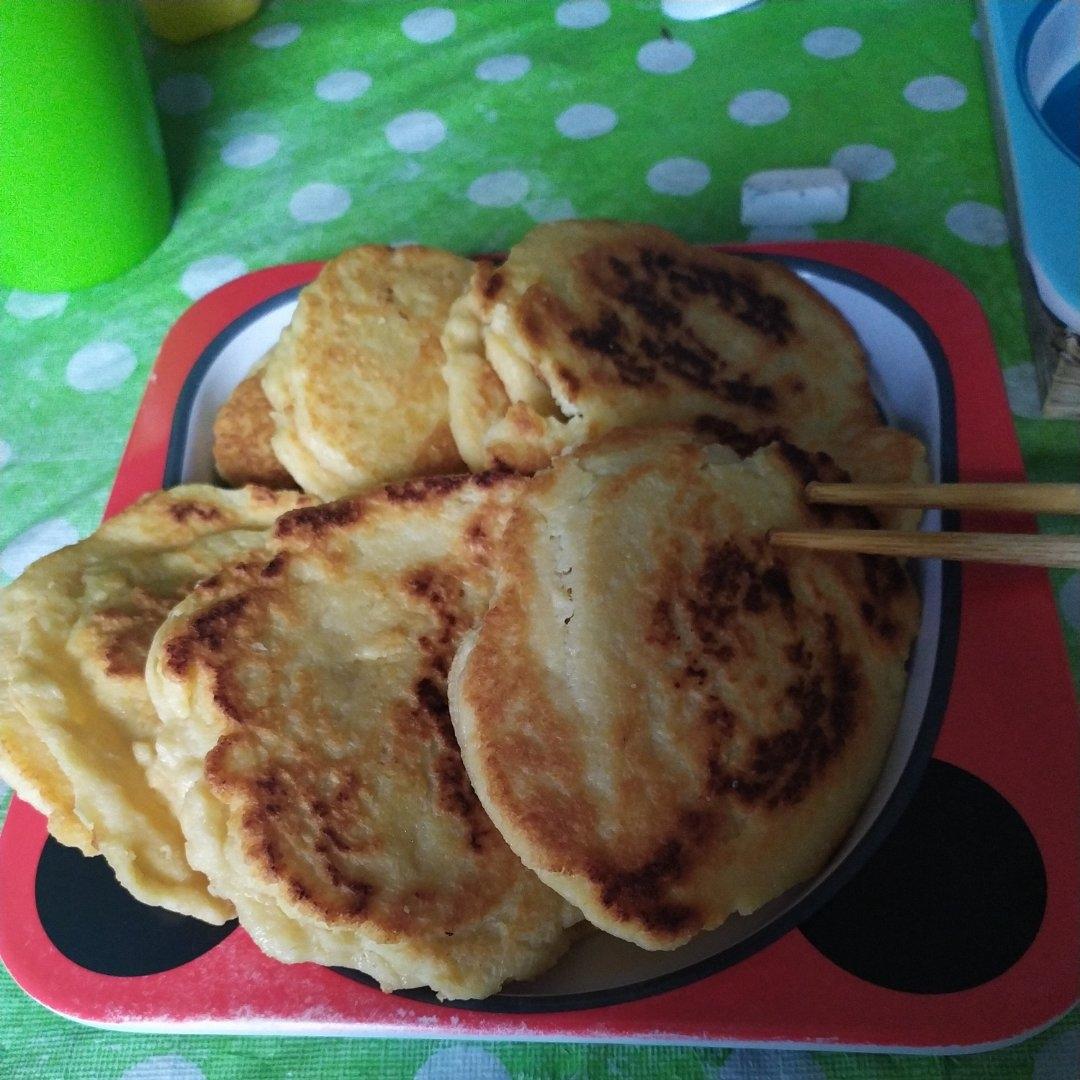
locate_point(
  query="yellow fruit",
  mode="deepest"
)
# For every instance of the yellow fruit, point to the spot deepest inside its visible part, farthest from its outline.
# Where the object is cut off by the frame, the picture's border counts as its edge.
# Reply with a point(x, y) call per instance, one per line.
point(181, 21)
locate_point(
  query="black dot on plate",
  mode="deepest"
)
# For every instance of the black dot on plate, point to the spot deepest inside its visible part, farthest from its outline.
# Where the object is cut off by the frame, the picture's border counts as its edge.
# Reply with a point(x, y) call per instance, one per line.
point(98, 925)
point(952, 898)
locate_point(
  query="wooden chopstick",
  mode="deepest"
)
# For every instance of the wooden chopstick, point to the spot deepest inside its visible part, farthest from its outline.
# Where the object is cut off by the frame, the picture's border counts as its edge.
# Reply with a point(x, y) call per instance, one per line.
point(1023, 549)
point(1007, 498)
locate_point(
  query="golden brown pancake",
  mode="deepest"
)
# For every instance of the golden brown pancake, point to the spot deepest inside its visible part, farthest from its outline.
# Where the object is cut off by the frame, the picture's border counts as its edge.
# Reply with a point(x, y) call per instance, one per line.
point(593, 325)
point(308, 752)
point(243, 429)
point(354, 382)
point(76, 724)
point(668, 720)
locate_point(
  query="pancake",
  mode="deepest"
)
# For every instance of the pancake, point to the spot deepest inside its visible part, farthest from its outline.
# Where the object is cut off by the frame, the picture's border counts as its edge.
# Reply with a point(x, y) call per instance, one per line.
point(593, 325)
point(668, 721)
point(76, 724)
point(243, 429)
point(354, 381)
point(310, 756)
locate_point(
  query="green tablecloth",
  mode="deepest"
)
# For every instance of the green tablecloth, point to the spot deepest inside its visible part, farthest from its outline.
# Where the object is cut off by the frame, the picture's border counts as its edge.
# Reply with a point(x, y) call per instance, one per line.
point(324, 124)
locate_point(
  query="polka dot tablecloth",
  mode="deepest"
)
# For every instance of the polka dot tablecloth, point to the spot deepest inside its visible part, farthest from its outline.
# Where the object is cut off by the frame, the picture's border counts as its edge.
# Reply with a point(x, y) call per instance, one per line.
point(324, 124)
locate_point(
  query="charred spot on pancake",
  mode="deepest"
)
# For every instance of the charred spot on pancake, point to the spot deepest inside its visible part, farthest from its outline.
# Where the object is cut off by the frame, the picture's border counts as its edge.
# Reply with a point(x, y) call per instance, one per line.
point(634, 893)
point(606, 338)
point(694, 363)
point(314, 521)
point(443, 594)
point(493, 286)
point(743, 442)
point(489, 478)
point(533, 326)
point(182, 512)
point(423, 488)
point(126, 633)
point(886, 581)
point(454, 793)
point(742, 391)
point(731, 580)
point(810, 466)
point(739, 295)
point(780, 768)
point(207, 631)
point(764, 312)
point(655, 288)
point(740, 582)
point(275, 567)
point(650, 304)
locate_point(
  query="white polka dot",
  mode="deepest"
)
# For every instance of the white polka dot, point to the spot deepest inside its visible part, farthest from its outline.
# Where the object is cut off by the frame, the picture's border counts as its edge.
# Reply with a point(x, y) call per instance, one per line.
point(1058, 1057)
point(248, 151)
point(181, 95)
point(978, 223)
point(429, 25)
point(101, 365)
point(757, 107)
point(458, 1062)
point(864, 161)
point(692, 10)
point(28, 305)
point(586, 121)
point(503, 68)
point(499, 189)
point(415, 132)
point(550, 209)
point(582, 14)
point(164, 1067)
point(678, 176)
point(318, 202)
point(935, 93)
point(5, 452)
point(768, 1065)
point(664, 57)
point(38, 541)
point(207, 274)
point(832, 42)
point(1022, 390)
point(776, 234)
point(276, 37)
point(343, 86)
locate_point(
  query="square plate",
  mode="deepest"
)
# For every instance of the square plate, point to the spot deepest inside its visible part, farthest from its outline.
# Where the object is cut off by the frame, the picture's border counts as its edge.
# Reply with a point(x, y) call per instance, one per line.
point(77, 943)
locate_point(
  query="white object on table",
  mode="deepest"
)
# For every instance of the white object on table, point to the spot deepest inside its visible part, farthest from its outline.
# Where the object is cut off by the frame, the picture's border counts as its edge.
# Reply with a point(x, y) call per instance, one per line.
point(795, 197)
point(689, 10)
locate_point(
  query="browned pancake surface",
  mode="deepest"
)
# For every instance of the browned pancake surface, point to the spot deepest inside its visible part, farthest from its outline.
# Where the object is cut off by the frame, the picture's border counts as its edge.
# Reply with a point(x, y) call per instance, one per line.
point(242, 432)
point(667, 719)
point(592, 325)
point(319, 780)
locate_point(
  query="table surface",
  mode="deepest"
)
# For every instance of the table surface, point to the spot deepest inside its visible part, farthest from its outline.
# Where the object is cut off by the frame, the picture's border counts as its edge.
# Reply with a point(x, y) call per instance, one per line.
point(324, 124)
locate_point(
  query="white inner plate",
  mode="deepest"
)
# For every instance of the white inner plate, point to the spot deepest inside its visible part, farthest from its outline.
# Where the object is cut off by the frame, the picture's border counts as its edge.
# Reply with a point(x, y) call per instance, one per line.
point(911, 385)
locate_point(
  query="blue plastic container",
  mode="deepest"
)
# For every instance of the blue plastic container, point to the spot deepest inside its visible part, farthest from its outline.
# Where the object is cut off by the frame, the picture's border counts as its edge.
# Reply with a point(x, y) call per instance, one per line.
point(1034, 54)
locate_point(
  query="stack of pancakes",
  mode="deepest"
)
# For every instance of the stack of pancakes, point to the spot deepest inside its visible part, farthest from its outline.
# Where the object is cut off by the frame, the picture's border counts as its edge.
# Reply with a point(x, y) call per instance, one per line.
point(431, 729)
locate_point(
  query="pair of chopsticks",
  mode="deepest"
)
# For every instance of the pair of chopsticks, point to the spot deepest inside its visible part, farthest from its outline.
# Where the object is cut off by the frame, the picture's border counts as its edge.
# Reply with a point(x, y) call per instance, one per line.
point(1023, 549)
